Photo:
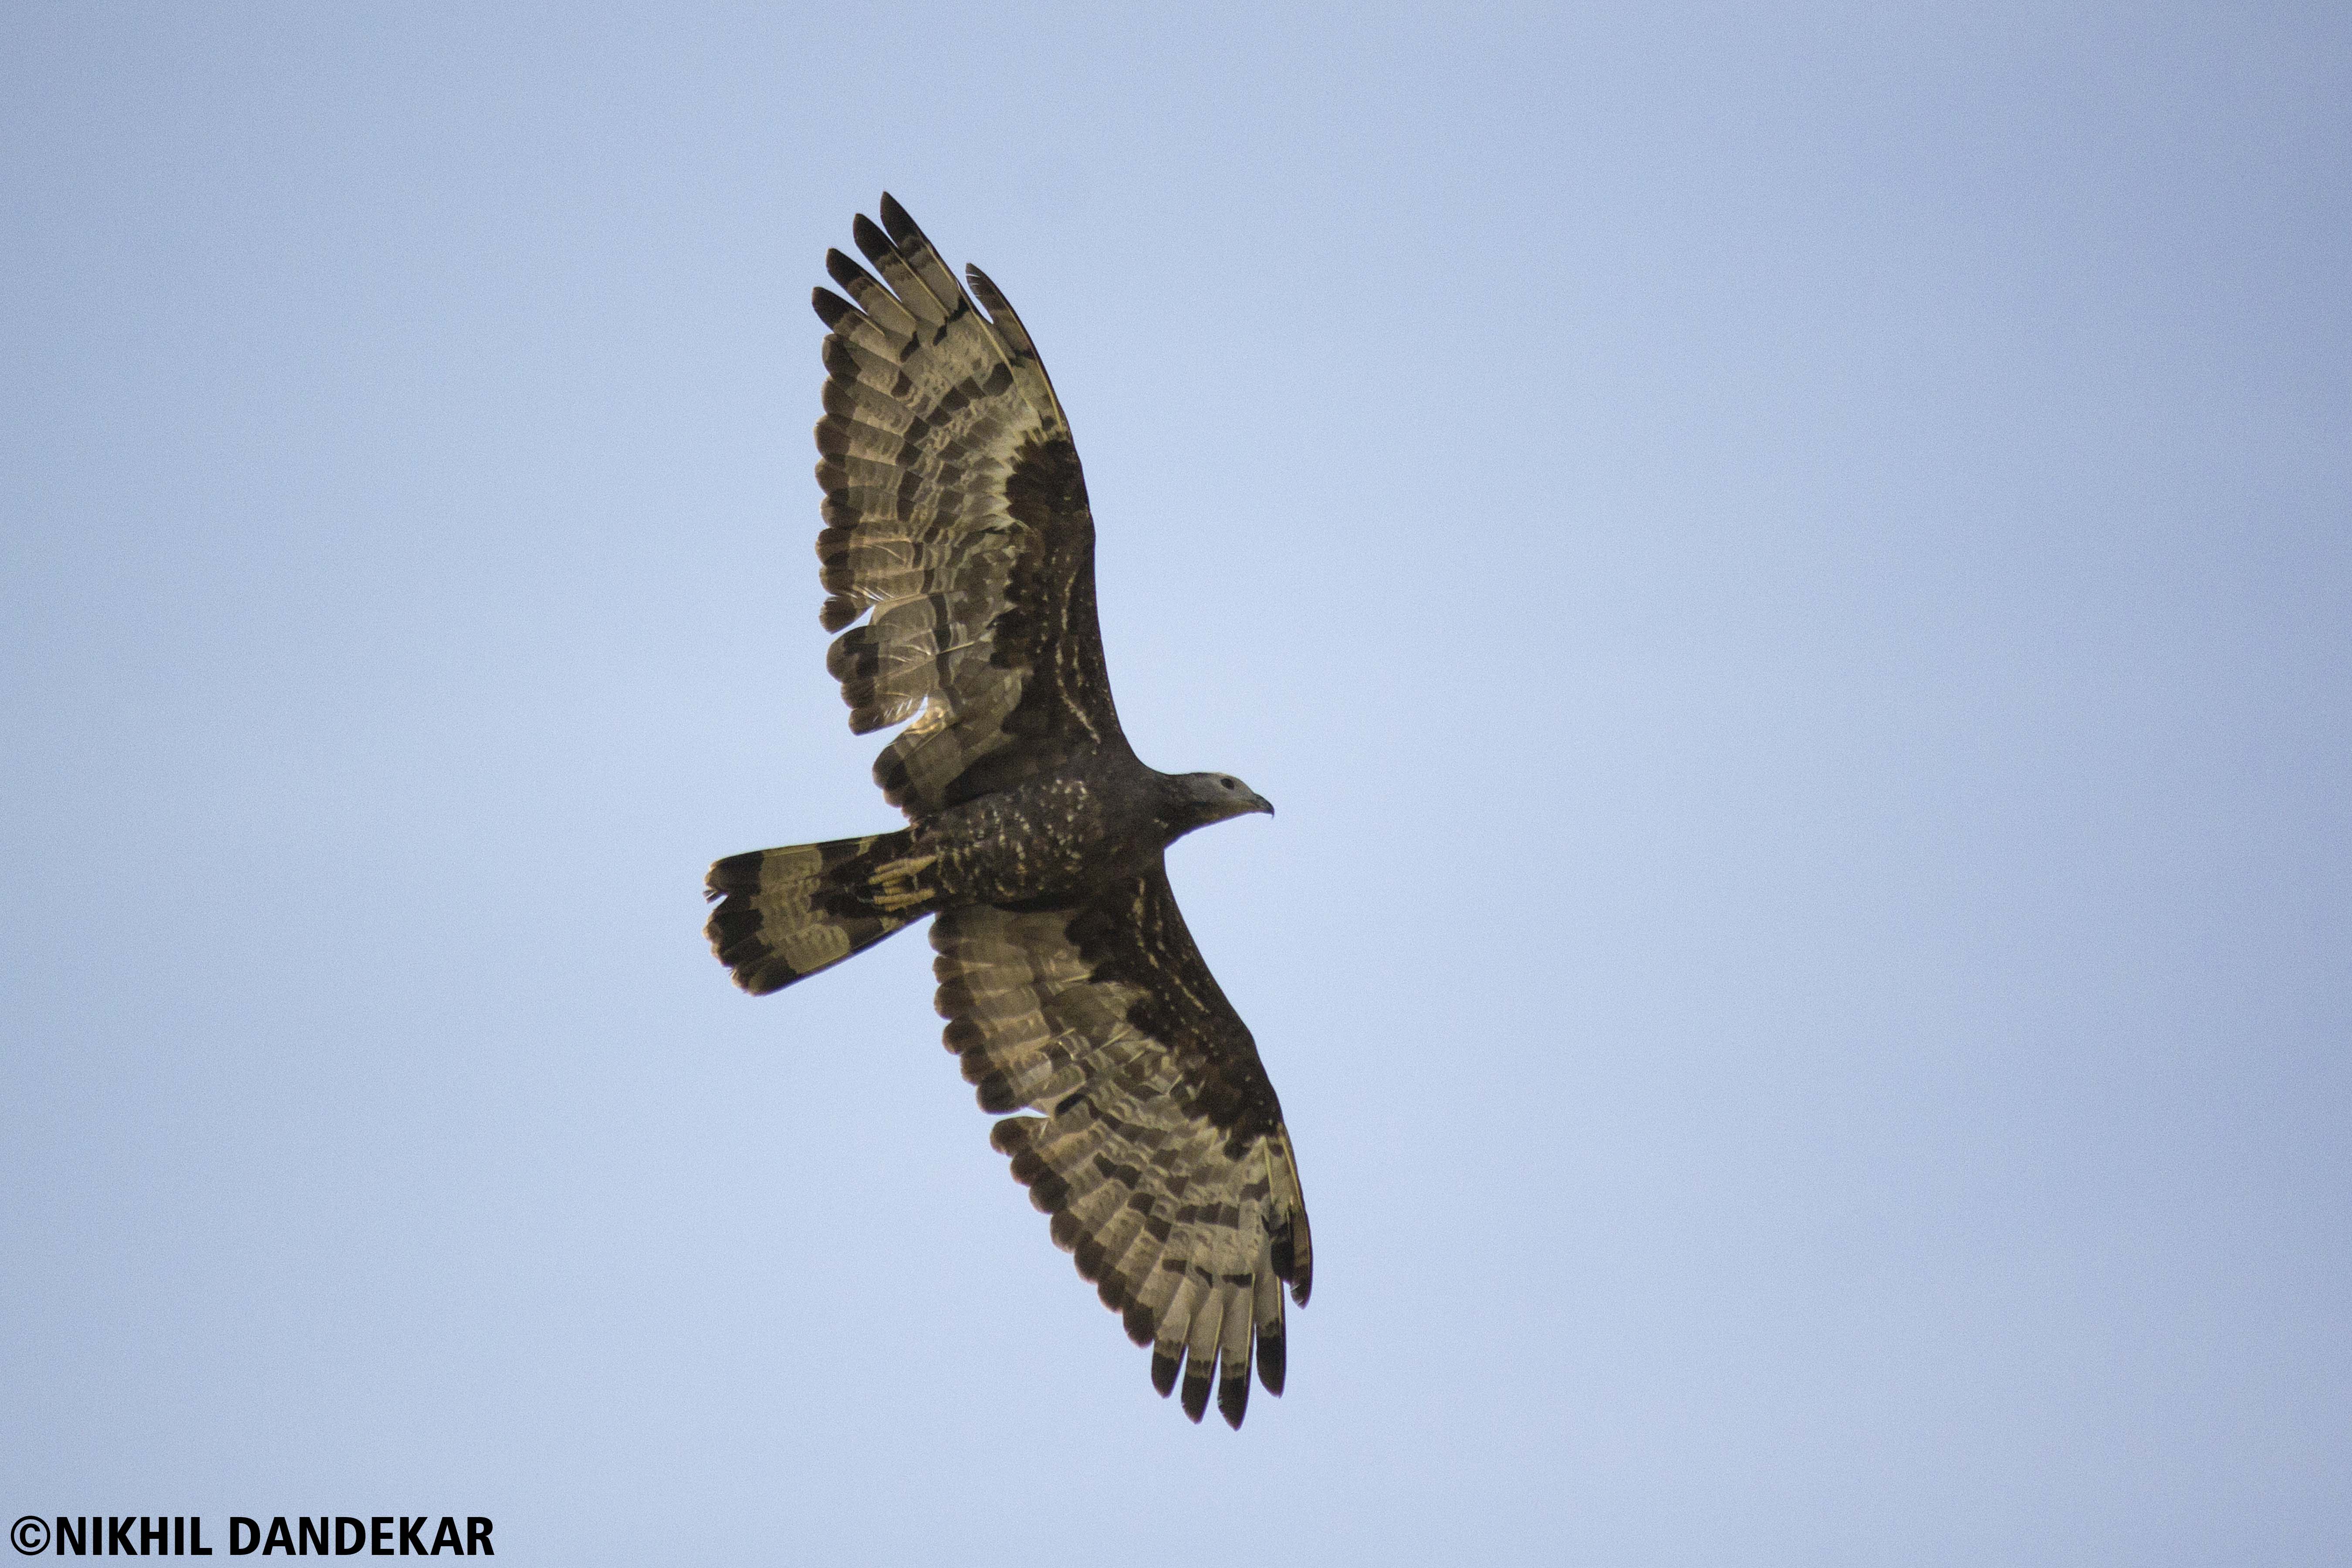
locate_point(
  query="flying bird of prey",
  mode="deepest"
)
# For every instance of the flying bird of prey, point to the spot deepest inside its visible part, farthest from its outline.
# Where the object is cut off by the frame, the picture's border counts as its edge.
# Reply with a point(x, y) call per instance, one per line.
point(957, 527)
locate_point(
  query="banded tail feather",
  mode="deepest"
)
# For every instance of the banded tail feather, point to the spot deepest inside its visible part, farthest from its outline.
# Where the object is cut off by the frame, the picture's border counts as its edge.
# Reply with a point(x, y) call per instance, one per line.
point(784, 914)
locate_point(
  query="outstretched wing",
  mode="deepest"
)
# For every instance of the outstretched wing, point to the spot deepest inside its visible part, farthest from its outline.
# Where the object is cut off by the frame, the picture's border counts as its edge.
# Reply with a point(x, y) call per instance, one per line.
point(1160, 1150)
point(955, 513)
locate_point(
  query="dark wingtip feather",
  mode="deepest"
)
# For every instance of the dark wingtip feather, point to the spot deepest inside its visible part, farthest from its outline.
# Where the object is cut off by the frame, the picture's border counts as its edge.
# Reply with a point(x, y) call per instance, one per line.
point(1136, 1321)
point(1049, 1193)
point(840, 404)
point(1270, 1350)
point(1164, 1363)
point(845, 272)
point(1012, 1135)
point(1196, 1393)
point(894, 218)
point(1291, 1267)
point(1233, 1397)
point(831, 308)
point(871, 239)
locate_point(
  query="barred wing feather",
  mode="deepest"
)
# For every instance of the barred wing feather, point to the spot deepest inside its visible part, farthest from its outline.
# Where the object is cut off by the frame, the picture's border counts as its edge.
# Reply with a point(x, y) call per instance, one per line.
point(1155, 1142)
point(957, 523)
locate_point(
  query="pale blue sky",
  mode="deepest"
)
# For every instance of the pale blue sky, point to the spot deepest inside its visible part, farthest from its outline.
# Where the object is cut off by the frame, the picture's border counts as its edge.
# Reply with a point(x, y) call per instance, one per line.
point(1790, 572)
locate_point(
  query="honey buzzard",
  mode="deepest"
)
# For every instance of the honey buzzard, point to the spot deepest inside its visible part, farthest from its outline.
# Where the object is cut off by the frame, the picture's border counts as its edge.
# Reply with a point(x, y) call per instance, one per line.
point(957, 527)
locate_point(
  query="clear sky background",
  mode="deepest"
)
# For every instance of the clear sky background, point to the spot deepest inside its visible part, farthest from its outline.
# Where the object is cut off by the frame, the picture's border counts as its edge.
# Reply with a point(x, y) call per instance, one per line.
point(1789, 569)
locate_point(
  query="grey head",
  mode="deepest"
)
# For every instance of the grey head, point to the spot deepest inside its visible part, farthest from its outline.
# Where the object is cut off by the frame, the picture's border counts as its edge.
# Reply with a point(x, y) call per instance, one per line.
point(1196, 800)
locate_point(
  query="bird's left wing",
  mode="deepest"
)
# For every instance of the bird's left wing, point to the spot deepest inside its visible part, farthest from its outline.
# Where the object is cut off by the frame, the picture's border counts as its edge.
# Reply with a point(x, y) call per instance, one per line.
point(1158, 1144)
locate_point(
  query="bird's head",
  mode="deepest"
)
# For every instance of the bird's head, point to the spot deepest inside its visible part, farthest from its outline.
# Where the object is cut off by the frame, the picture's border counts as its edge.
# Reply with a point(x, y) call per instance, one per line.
point(1203, 798)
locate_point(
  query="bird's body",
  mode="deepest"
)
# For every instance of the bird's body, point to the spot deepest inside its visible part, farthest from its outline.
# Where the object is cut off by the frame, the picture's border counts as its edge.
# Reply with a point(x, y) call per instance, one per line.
point(958, 526)
point(1053, 840)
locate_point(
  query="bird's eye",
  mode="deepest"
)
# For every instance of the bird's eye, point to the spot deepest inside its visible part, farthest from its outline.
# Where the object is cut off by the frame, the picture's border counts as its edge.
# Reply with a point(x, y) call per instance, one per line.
point(1229, 783)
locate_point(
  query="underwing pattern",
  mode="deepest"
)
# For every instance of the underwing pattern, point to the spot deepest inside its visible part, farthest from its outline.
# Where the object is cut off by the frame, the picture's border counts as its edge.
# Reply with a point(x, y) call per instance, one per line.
point(958, 564)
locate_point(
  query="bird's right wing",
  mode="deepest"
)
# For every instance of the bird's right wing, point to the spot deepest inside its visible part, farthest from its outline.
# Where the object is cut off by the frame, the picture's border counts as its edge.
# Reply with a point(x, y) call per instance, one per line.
point(956, 514)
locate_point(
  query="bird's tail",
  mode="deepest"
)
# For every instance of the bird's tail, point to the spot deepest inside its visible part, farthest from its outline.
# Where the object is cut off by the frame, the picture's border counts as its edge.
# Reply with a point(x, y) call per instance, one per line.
point(786, 913)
